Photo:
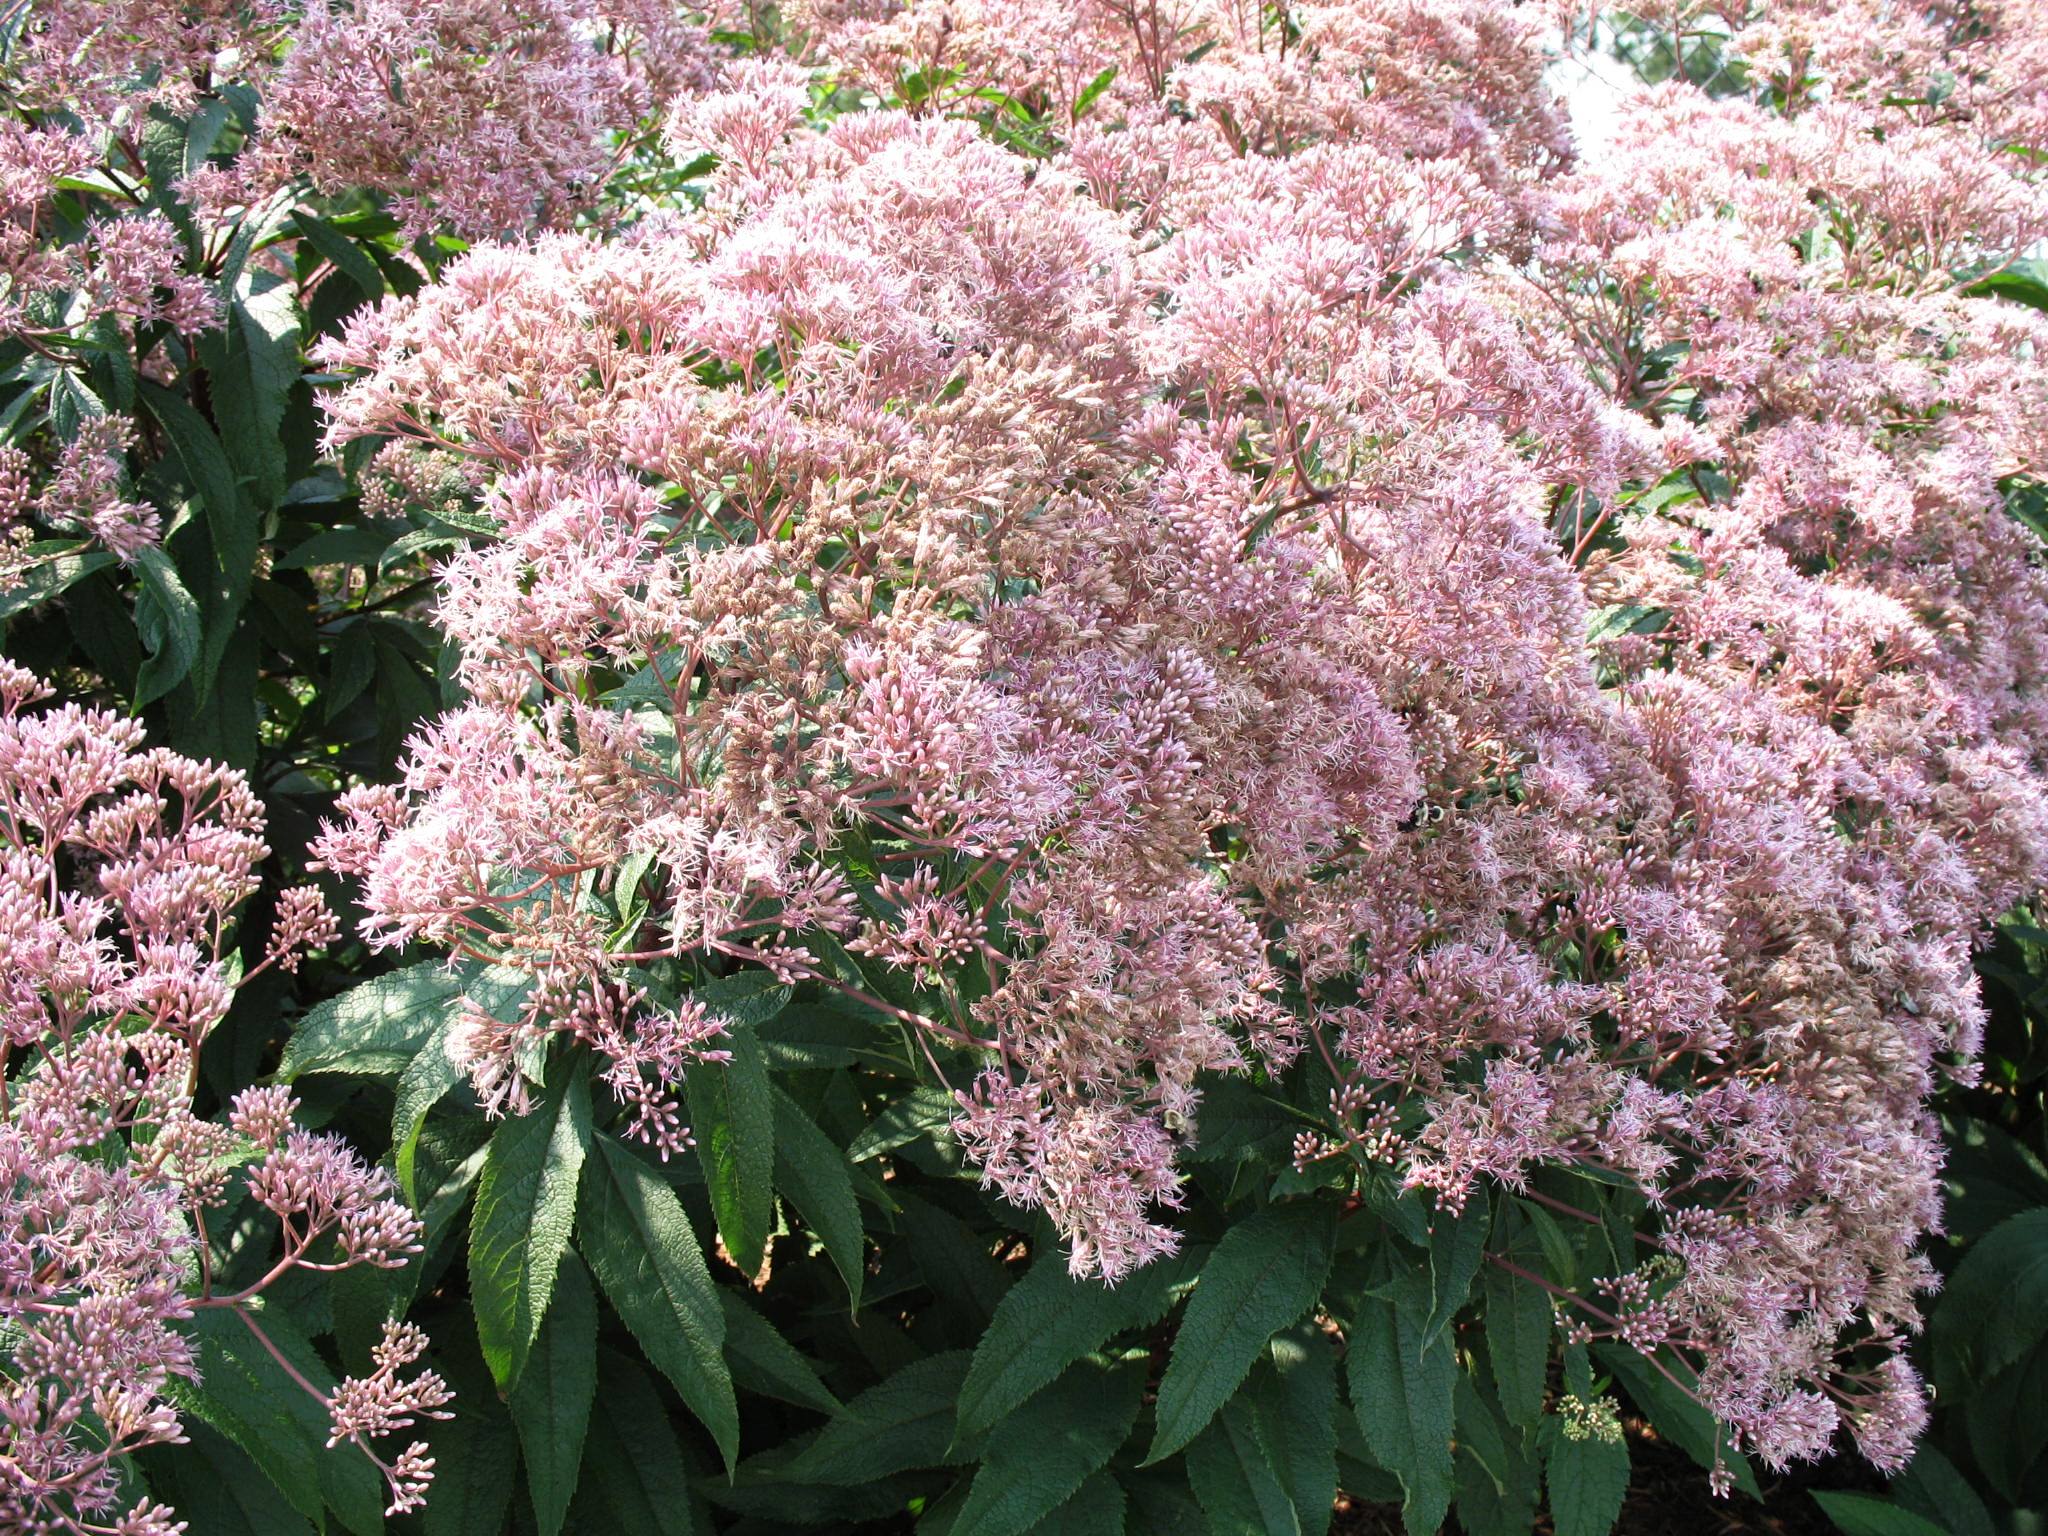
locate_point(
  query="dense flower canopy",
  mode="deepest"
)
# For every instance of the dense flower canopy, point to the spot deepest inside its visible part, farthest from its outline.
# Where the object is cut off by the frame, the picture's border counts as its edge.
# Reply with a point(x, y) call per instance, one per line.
point(1295, 564)
point(1304, 563)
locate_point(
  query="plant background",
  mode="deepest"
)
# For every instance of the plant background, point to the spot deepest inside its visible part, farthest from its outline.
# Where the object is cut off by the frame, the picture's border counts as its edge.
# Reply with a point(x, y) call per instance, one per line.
point(820, 1321)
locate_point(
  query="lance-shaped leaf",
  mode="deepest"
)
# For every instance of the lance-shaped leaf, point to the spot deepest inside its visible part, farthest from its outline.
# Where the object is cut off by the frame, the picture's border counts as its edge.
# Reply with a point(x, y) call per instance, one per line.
point(646, 1257)
point(525, 1207)
point(551, 1404)
point(1263, 1276)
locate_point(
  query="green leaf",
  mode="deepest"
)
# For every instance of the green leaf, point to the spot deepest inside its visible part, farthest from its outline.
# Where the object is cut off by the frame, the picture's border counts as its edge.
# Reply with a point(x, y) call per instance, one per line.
point(374, 1029)
point(769, 1363)
point(475, 1460)
point(748, 999)
point(1401, 1394)
point(1293, 1397)
point(346, 257)
point(1586, 1481)
point(2023, 282)
point(901, 1423)
point(252, 363)
point(248, 1396)
point(167, 619)
point(1042, 1453)
point(635, 1481)
point(1994, 1308)
point(1932, 1486)
point(814, 1176)
point(426, 1080)
point(732, 1115)
point(1263, 1276)
point(1518, 1343)
point(921, 1112)
point(639, 1243)
point(1096, 1509)
point(48, 577)
point(1497, 1479)
point(1093, 92)
point(1046, 1322)
point(1235, 1482)
point(231, 521)
point(525, 1206)
point(1865, 1514)
point(1455, 1250)
point(551, 1404)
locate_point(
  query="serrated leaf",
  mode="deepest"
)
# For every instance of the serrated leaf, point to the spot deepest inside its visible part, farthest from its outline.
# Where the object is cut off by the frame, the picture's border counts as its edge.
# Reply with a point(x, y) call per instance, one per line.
point(342, 252)
point(1263, 1276)
point(732, 1115)
point(1235, 1482)
point(525, 1207)
point(921, 1112)
point(901, 1423)
point(814, 1176)
point(1994, 1309)
point(638, 1241)
point(475, 1459)
point(1293, 1397)
point(167, 619)
point(1455, 1249)
point(1042, 1453)
point(1865, 1514)
point(746, 998)
point(231, 521)
point(217, 1489)
point(1517, 1343)
point(50, 576)
point(1932, 1486)
point(374, 1029)
point(1401, 1393)
point(1046, 1322)
point(635, 1477)
point(426, 1080)
point(769, 1363)
point(1586, 1481)
point(252, 363)
point(551, 1405)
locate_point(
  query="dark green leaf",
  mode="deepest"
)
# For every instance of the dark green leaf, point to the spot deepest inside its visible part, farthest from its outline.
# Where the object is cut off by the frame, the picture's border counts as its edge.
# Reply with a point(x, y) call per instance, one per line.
point(525, 1206)
point(475, 1459)
point(635, 1480)
point(901, 1423)
point(813, 1176)
point(1994, 1308)
point(168, 620)
point(1047, 1321)
point(1293, 1397)
point(767, 1362)
point(1676, 1414)
point(1263, 1276)
point(248, 1396)
point(638, 1241)
point(1042, 1453)
point(732, 1116)
point(1517, 1343)
point(1865, 1514)
point(551, 1404)
point(1586, 1480)
point(376, 1028)
point(1401, 1394)
point(1235, 1482)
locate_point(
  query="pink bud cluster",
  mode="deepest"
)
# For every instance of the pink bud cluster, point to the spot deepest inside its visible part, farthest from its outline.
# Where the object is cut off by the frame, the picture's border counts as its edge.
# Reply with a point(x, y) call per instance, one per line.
point(121, 872)
point(1307, 565)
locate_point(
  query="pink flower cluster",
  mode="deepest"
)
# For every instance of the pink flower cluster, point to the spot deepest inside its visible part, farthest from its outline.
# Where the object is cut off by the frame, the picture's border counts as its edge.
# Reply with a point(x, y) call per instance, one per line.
point(121, 870)
point(1306, 565)
point(481, 117)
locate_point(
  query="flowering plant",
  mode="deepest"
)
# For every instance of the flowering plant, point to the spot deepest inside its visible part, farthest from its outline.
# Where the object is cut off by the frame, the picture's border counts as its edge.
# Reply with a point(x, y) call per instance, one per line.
point(1140, 695)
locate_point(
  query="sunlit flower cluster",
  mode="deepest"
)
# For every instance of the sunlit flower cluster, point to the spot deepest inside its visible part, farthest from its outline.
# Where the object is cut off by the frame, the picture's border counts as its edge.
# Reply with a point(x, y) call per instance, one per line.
point(1297, 564)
